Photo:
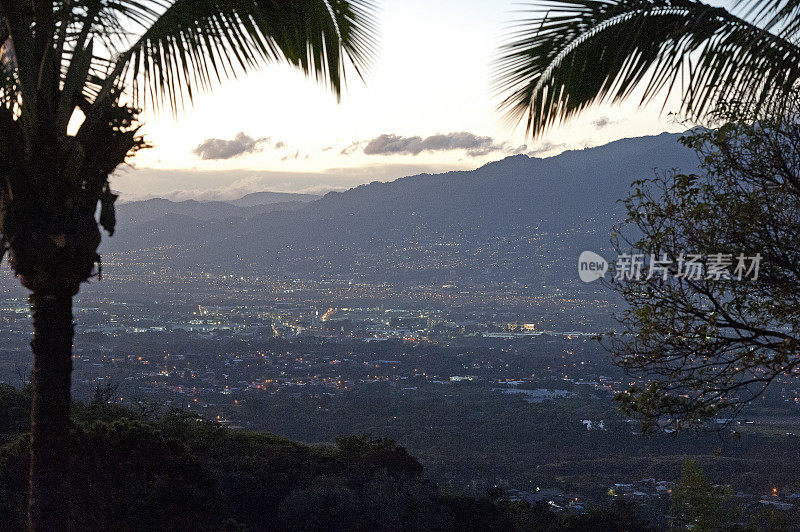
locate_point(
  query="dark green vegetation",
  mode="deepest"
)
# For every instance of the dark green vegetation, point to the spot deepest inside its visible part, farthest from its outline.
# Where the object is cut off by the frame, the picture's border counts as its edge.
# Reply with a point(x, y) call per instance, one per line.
point(471, 438)
point(698, 502)
point(135, 471)
point(704, 346)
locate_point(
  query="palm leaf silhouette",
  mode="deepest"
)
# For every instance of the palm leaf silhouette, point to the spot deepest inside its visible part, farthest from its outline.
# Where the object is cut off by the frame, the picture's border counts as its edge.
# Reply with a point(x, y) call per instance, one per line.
point(570, 54)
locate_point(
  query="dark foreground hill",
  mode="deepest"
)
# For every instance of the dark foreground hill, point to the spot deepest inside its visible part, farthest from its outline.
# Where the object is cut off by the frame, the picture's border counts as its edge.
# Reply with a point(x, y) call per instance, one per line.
point(134, 471)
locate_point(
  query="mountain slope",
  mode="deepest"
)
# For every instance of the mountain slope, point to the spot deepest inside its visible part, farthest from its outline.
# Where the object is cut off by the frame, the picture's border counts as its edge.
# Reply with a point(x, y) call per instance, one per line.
point(144, 211)
point(266, 198)
point(499, 221)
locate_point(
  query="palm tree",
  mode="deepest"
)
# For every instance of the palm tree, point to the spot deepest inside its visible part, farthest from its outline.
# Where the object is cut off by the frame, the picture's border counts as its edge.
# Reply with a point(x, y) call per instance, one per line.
point(87, 66)
point(569, 54)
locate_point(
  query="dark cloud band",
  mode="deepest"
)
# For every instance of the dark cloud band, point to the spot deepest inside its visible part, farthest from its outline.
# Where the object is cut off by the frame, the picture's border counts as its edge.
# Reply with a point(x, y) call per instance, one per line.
point(217, 149)
point(474, 145)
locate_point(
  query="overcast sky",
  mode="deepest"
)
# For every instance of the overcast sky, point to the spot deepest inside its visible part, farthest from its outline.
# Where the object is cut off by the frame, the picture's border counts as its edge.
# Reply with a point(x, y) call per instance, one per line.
point(427, 106)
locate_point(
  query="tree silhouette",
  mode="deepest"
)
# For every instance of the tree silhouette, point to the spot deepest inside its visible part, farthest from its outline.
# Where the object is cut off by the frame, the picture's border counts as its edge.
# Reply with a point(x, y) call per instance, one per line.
point(569, 54)
point(100, 60)
point(705, 340)
point(699, 504)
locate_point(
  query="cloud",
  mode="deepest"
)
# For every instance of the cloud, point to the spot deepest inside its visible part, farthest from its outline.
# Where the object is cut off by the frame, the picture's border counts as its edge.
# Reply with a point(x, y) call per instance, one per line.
point(388, 144)
point(545, 147)
point(474, 145)
point(352, 147)
point(602, 122)
point(541, 148)
point(217, 149)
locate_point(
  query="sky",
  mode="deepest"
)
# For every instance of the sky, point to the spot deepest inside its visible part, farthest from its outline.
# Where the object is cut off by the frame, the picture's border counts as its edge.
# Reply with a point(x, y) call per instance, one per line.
point(426, 106)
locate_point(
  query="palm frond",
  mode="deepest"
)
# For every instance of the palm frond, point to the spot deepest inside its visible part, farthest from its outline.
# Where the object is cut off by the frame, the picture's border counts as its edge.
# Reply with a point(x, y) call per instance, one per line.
point(780, 16)
point(18, 18)
point(9, 91)
point(574, 53)
point(193, 44)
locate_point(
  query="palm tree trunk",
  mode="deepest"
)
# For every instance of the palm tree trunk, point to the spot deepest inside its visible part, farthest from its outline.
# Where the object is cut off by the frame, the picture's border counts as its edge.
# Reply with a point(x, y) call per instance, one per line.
point(52, 351)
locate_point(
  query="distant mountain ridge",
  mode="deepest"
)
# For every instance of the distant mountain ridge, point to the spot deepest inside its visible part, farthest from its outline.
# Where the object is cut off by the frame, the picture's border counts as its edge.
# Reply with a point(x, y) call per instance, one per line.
point(143, 211)
point(267, 197)
point(512, 218)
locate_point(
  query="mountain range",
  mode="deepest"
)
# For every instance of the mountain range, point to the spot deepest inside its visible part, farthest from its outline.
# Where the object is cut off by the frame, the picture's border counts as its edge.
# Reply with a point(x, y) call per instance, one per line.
point(520, 217)
point(138, 212)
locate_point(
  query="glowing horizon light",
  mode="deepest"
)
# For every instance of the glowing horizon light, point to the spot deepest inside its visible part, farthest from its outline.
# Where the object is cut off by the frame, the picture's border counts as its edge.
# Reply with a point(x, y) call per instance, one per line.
point(432, 92)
